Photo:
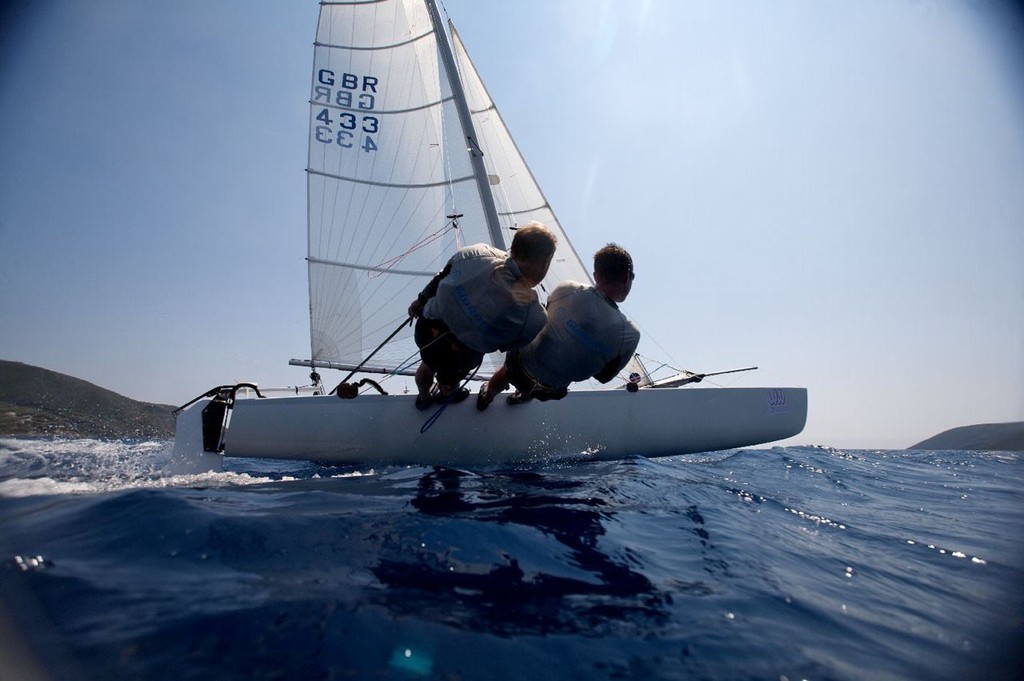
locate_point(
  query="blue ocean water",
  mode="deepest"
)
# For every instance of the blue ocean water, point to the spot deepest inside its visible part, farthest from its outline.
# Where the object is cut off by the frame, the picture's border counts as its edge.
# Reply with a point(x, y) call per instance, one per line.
point(782, 564)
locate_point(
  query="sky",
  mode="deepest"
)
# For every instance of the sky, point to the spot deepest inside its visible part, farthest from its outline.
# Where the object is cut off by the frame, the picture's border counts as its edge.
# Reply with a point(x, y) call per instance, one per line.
point(831, 191)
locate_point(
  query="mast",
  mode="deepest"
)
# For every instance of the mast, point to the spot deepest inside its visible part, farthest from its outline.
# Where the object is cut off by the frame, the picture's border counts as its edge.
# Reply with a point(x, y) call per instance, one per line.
point(466, 122)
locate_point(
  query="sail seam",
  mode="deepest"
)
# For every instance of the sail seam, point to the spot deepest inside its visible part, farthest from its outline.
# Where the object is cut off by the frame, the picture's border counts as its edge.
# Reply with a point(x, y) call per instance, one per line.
point(524, 211)
point(426, 185)
point(337, 107)
point(374, 47)
point(368, 268)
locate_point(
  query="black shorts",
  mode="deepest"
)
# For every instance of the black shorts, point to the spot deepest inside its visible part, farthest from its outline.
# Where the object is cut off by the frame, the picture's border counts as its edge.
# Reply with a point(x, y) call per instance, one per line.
point(443, 352)
point(527, 384)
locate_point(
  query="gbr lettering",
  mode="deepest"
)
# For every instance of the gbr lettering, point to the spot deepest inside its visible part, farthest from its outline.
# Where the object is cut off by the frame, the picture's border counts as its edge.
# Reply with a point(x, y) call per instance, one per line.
point(344, 116)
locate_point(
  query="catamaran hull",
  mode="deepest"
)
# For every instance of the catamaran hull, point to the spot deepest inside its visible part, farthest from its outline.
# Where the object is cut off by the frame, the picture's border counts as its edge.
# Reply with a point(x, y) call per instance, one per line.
point(595, 425)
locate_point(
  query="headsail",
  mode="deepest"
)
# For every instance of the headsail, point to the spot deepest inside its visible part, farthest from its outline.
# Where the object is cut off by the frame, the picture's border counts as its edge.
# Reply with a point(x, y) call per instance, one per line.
point(516, 194)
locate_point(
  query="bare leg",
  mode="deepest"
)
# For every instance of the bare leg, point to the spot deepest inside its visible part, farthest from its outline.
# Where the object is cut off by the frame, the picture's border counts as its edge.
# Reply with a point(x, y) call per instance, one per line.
point(498, 383)
point(424, 379)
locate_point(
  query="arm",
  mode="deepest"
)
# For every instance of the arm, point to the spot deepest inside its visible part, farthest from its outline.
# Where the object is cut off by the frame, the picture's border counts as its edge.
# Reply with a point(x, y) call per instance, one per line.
point(631, 338)
point(611, 369)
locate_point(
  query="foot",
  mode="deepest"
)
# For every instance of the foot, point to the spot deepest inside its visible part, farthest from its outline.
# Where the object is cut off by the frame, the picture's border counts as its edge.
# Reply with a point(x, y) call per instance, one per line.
point(454, 397)
point(483, 400)
point(518, 398)
point(424, 401)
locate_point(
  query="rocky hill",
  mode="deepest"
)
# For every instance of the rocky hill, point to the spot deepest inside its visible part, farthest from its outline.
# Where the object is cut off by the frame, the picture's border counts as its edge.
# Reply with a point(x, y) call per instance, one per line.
point(35, 401)
point(985, 437)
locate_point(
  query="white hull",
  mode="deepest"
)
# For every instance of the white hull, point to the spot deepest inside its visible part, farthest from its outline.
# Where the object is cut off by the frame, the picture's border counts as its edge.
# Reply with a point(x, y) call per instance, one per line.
point(588, 424)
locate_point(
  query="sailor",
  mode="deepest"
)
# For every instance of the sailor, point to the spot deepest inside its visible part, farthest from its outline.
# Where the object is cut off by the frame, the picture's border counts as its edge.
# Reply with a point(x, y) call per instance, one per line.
point(586, 336)
point(482, 301)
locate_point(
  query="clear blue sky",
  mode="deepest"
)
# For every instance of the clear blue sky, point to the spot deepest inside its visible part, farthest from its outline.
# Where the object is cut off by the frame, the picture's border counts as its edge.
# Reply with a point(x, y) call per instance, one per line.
point(831, 191)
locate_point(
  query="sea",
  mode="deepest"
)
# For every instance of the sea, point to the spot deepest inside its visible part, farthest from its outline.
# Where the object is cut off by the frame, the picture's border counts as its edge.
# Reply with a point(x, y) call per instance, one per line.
point(779, 563)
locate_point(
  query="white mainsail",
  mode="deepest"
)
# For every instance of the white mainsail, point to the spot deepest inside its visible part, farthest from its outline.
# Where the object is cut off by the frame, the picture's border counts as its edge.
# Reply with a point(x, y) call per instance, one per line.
point(390, 163)
point(380, 185)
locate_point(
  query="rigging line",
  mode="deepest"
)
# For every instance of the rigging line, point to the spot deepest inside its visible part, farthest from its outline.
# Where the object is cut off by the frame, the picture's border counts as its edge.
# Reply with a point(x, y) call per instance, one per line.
point(663, 364)
point(411, 359)
point(404, 365)
point(368, 357)
point(446, 158)
point(430, 238)
point(455, 80)
point(440, 410)
point(652, 339)
point(412, 213)
point(407, 228)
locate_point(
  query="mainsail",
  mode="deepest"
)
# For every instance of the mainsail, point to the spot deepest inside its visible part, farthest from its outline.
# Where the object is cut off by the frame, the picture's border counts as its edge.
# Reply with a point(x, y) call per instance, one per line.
point(395, 178)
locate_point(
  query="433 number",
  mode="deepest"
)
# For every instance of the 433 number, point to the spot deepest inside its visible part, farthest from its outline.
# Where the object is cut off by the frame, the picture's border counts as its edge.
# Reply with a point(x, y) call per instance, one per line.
point(345, 129)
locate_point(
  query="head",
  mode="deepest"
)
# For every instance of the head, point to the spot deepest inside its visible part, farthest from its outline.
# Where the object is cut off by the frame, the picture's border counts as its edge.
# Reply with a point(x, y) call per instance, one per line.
point(533, 246)
point(613, 272)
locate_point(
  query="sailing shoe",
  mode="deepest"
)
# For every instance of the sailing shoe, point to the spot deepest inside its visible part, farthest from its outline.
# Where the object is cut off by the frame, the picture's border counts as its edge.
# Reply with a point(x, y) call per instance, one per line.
point(424, 401)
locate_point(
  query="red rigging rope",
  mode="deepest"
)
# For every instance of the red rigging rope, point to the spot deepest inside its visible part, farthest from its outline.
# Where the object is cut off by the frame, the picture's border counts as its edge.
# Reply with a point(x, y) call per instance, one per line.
point(429, 239)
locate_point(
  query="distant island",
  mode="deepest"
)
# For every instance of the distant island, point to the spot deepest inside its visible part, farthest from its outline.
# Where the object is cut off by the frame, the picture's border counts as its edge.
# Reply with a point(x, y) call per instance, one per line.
point(38, 402)
point(985, 437)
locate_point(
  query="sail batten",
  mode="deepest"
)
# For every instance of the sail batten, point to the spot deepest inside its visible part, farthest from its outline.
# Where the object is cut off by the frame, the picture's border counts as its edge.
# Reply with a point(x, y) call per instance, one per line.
point(468, 178)
point(338, 107)
point(374, 47)
point(353, 266)
point(526, 211)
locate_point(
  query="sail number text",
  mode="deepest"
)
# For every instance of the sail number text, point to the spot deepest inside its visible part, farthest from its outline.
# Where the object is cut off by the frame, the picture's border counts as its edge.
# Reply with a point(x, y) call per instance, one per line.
point(347, 129)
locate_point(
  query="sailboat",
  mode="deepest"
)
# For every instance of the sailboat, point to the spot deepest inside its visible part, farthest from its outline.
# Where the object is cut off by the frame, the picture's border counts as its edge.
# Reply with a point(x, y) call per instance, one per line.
point(410, 160)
